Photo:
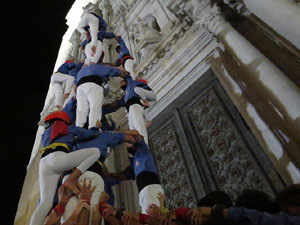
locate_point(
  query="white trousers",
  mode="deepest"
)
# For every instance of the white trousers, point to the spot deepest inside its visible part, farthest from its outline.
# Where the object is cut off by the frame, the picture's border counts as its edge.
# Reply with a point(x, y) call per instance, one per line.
point(50, 169)
point(128, 66)
point(145, 94)
point(148, 196)
point(88, 52)
point(89, 103)
point(91, 21)
point(58, 80)
point(97, 181)
point(136, 120)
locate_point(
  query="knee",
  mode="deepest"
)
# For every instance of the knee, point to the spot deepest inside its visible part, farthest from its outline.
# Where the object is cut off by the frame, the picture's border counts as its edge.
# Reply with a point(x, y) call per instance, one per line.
point(46, 204)
point(96, 153)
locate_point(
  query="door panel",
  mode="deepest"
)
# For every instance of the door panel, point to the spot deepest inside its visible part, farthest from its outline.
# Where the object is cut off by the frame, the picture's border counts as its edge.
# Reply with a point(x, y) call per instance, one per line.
point(201, 143)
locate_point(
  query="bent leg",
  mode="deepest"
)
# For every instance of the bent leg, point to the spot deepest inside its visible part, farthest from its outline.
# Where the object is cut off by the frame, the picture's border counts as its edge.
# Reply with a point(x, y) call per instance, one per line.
point(82, 109)
point(48, 185)
point(145, 94)
point(128, 66)
point(95, 99)
point(136, 120)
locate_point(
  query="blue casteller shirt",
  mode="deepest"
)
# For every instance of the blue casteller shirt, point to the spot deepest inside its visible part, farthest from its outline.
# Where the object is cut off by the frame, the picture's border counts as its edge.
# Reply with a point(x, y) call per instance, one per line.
point(143, 159)
point(129, 91)
point(69, 139)
point(104, 140)
point(73, 72)
point(101, 70)
point(123, 49)
point(70, 109)
point(254, 217)
point(131, 84)
point(66, 67)
point(104, 34)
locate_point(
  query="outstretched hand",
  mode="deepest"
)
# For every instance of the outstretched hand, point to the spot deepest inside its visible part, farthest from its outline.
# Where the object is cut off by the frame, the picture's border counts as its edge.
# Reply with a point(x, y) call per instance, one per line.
point(197, 215)
point(64, 195)
point(86, 190)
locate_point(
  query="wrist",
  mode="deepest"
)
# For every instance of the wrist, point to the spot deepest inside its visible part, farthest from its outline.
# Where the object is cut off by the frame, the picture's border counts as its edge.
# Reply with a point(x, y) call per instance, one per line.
point(59, 209)
point(181, 212)
point(143, 218)
point(62, 203)
point(87, 200)
point(119, 213)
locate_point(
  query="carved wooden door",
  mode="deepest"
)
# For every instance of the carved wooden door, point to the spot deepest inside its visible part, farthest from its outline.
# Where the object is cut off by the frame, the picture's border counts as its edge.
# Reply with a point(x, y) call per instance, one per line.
point(201, 144)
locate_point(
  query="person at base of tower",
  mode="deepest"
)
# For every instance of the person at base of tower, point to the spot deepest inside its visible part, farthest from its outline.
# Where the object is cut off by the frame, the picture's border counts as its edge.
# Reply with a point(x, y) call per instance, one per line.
point(90, 92)
point(125, 59)
point(94, 173)
point(81, 211)
point(145, 171)
point(60, 78)
point(57, 141)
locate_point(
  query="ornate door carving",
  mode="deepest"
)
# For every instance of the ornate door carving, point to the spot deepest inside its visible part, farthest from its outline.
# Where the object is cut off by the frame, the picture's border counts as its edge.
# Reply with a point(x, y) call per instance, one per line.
point(201, 143)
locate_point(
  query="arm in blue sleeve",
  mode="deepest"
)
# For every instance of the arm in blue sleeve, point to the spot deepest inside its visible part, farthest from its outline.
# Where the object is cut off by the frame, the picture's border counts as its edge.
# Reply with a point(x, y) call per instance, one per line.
point(253, 217)
point(83, 133)
point(70, 109)
point(114, 72)
point(123, 45)
point(115, 139)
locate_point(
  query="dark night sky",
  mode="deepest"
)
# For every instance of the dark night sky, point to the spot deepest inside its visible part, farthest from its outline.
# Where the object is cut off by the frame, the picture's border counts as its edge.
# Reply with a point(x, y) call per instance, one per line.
point(31, 35)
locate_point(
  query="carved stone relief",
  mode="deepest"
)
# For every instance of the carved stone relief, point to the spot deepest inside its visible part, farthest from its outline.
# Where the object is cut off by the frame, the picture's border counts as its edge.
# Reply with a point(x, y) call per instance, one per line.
point(173, 174)
point(227, 154)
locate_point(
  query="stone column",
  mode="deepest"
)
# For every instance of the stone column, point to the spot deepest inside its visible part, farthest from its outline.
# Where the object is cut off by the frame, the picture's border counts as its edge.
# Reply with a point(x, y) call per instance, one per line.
point(107, 11)
point(281, 15)
point(75, 40)
point(260, 76)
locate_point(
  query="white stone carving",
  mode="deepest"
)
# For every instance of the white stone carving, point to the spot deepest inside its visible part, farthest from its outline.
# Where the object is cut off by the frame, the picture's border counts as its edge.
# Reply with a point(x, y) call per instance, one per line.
point(143, 32)
point(213, 21)
point(107, 11)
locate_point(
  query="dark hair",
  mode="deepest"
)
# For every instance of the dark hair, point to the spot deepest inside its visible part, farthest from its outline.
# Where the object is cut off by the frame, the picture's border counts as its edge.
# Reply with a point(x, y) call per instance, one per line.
point(132, 150)
point(118, 48)
point(215, 198)
point(289, 196)
point(254, 199)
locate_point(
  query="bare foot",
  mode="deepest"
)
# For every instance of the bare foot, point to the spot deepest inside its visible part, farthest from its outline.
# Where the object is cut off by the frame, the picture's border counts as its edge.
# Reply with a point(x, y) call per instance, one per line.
point(72, 185)
point(66, 95)
point(148, 123)
point(146, 103)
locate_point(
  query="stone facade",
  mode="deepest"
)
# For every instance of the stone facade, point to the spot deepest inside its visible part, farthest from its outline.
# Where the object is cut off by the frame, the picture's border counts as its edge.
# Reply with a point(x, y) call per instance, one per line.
point(227, 110)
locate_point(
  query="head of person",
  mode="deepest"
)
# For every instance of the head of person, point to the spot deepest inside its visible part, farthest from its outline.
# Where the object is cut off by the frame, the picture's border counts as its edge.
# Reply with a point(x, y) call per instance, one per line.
point(68, 61)
point(288, 200)
point(153, 210)
point(118, 49)
point(215, 198)
point(254, 199)
point(123, 84)
point(56, 116)
point(131, 148)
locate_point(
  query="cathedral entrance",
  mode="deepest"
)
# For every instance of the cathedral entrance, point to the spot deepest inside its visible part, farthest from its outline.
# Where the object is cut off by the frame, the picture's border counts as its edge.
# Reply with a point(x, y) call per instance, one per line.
point(201, 143)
